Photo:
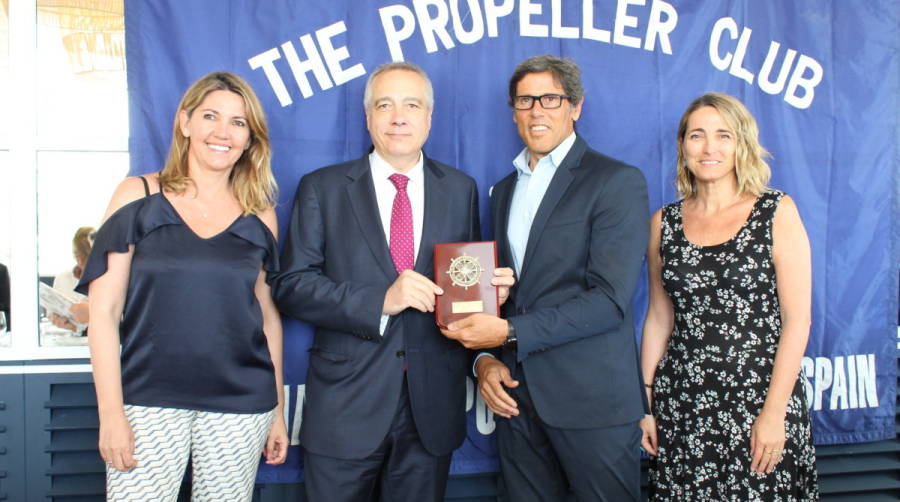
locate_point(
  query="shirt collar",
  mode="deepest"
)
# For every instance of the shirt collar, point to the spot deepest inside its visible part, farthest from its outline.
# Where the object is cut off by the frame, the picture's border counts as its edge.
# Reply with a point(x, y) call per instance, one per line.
point(381, 170)
point(556, 156)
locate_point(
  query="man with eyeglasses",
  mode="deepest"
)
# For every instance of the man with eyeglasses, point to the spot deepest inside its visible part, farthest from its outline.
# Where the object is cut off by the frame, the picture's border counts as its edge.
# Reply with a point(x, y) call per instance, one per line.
point(562, 370)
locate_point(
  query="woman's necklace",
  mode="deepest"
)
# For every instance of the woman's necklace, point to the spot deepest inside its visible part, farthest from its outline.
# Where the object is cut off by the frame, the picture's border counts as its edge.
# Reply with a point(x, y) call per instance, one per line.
point(201, 206)
point(203, 212)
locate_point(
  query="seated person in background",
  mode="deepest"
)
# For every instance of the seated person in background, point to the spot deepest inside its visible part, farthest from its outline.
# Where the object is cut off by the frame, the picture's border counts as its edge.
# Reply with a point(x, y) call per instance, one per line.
point(66, 280)
point(4, 293)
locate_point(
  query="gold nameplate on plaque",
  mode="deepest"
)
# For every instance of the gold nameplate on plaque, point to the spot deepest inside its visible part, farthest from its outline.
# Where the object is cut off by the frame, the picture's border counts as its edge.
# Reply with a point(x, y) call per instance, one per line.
point(467, 307)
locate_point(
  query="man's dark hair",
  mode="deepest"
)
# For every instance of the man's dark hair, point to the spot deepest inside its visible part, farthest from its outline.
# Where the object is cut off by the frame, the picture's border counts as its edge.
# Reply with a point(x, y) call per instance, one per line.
point(565, 72)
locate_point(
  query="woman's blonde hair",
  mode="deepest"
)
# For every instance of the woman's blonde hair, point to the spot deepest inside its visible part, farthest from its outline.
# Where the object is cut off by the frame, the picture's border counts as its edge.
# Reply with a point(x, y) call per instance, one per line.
point(752, 171)
point(251, 178)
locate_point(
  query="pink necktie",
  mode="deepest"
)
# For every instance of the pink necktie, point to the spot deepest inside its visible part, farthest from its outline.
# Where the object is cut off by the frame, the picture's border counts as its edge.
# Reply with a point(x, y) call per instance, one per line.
point(401, 226)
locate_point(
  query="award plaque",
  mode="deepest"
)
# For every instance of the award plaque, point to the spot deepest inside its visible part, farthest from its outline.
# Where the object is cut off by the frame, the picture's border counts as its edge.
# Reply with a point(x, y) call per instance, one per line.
point(464, 271)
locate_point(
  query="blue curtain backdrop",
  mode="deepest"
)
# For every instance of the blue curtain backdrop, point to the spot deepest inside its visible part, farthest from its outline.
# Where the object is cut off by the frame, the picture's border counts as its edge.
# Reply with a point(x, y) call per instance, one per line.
point(822, 78)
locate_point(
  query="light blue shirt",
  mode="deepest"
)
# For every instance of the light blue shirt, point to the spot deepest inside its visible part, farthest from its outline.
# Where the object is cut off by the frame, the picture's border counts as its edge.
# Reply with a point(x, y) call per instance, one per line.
point(531, 185)
point(527, 196)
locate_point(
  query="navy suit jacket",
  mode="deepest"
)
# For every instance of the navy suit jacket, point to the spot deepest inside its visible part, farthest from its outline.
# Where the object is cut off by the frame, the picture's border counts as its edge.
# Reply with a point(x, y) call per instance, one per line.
point(571, 305)
point(336, 269)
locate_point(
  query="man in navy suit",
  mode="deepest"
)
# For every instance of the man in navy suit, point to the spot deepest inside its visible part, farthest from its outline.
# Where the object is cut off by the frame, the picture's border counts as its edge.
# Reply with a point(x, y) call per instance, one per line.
point(574, 225)
point(385, 392)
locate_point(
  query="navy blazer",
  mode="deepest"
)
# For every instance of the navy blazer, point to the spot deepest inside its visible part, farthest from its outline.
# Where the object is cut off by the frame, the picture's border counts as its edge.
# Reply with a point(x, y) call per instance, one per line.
point(571, 305)
point(336, 269)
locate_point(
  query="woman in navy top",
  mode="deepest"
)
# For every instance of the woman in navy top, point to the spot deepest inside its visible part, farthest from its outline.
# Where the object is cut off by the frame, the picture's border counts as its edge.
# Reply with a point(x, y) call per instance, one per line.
point(179, 278)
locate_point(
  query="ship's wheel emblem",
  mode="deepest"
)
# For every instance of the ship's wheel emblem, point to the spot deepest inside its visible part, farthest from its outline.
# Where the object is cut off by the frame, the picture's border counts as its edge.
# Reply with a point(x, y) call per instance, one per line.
point(465, 271)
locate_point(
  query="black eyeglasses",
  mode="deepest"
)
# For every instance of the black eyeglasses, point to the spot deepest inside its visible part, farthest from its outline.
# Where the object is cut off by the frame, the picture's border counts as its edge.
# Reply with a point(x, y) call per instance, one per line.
point(548, 101)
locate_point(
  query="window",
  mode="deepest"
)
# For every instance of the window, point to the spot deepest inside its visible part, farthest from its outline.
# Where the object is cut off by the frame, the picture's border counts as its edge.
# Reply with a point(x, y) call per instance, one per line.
point(5, 181)
point(4, 77)
point(66, 150)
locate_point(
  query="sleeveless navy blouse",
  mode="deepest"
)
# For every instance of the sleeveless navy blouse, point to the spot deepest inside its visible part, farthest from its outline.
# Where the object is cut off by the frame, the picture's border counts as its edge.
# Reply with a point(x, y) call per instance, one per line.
point(191, 328)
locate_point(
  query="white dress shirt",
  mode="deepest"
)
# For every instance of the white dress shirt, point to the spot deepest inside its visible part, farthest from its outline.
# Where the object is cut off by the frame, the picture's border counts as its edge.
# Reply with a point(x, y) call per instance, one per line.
point(384, 195)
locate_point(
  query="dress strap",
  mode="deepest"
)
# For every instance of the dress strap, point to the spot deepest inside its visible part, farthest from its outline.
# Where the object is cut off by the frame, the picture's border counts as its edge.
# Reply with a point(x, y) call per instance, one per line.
point(146, 186)
point(668, 222)
point(764, 209)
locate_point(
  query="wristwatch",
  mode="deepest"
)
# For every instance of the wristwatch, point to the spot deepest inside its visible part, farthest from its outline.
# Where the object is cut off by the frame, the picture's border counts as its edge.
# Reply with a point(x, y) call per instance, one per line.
point(511, 339)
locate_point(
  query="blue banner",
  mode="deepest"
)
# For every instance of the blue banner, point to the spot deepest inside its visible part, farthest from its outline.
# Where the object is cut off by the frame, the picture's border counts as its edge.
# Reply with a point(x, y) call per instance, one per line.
point(821, 77)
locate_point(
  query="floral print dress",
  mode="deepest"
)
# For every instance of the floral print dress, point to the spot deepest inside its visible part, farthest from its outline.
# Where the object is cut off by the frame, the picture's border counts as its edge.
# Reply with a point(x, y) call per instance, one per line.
point(711, 384)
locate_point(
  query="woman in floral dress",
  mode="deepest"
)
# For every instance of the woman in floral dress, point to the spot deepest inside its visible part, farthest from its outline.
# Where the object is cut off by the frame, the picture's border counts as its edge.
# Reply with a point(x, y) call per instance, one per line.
point(730, 292)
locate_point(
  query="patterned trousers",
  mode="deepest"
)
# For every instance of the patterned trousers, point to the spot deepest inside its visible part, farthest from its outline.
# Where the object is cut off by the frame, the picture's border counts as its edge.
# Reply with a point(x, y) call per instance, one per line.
point(225, 449)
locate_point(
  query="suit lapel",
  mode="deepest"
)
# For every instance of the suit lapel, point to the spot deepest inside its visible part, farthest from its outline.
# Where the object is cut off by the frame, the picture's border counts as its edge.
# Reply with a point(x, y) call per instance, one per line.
point(361, 197)
point(436, 210)
point(558, 186)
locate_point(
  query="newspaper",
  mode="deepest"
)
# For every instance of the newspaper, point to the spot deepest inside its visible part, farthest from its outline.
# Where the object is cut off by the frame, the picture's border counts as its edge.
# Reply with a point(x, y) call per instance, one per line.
point(57, 302)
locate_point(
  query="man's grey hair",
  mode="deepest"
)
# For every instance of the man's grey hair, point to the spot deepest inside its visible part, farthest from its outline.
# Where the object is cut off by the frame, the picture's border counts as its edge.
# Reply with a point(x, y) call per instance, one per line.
point(565, 72)
point(399, 65)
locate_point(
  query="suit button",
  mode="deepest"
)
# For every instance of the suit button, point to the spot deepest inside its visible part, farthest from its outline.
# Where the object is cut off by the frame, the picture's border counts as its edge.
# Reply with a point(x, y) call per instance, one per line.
point(401, 353)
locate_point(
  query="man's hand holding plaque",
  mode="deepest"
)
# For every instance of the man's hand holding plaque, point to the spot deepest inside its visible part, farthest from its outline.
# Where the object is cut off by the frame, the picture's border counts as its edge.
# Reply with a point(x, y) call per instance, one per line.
point(474, 288)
